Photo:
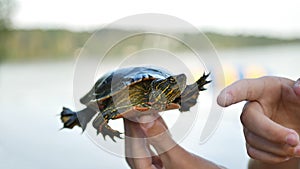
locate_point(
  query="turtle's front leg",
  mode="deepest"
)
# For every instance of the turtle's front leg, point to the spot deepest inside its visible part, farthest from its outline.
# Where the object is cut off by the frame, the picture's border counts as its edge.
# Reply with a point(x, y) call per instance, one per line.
point(107, 130)
point(100, 124)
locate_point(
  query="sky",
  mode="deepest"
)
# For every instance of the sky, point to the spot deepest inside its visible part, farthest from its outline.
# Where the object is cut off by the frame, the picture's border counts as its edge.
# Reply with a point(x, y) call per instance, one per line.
point(267, 17)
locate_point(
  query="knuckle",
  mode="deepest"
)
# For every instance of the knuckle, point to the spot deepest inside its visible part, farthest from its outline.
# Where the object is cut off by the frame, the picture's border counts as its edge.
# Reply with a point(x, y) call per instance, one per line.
point(251, 152)
point(274, 135)
point(129, 161)
point(269, 158)
point(276, 160)
point(273, 161)
point(246, 111)
point(249, 92)
point(244, 114)
point(249, 137)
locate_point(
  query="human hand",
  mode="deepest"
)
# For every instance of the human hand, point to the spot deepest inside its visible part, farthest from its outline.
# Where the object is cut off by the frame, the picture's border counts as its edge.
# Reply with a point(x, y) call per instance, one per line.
point(137, 148)
point(152, 130)
point(271, 117)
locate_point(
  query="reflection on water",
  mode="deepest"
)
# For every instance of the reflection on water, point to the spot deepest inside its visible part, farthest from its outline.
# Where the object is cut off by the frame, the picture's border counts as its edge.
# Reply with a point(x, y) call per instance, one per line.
point(32, 94)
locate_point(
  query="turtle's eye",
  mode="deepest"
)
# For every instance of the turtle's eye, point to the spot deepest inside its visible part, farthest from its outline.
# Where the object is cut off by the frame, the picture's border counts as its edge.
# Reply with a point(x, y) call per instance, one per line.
point(172, 79)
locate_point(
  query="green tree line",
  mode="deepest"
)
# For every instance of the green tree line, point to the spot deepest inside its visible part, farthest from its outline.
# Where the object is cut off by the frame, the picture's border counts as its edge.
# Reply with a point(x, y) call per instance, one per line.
point(59, 44)
point(34, 44)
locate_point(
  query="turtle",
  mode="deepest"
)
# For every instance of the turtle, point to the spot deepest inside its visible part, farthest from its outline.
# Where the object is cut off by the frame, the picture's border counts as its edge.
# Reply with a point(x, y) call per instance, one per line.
point(119, 93)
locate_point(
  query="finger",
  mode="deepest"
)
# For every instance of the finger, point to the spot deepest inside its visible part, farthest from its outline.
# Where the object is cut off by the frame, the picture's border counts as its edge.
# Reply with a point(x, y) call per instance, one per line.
point(265, 145)
point(156, 161)
point(154, 126)
point(158, 135)
point(140, 164)
point(258, 123)
point(245, 89)
point(297, 87)
point(138, 152)
point(136, 147)
point(137, 162)
point(132, 129)
point(160, 119)
point(264, 156)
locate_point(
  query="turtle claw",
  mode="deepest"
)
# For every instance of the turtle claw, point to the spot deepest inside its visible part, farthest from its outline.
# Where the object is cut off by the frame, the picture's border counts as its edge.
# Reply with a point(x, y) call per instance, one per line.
point(107, 130)
point(100, 124)
point(202, 81)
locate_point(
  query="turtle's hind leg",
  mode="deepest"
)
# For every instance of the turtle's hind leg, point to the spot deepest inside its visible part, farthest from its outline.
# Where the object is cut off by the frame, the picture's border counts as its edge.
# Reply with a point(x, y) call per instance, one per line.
point(81, 118)
point(190, 94)
point(100, 124)
point(69, 118)
point(202, 81)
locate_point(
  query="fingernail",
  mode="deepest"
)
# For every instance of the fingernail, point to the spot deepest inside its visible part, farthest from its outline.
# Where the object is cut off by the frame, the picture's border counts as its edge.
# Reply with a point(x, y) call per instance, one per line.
point(228, 98)
point(297, 151)
point(297, 87)
point(292, 139)
point(146, 121)
point(297, 84)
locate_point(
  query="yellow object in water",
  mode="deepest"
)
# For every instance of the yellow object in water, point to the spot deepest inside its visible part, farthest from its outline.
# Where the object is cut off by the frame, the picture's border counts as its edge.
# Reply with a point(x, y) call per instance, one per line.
point(254, 71)
point(231, 74)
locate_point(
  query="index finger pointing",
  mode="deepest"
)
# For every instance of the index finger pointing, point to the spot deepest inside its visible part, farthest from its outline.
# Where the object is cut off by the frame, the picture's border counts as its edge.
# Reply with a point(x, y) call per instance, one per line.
point(245, 89)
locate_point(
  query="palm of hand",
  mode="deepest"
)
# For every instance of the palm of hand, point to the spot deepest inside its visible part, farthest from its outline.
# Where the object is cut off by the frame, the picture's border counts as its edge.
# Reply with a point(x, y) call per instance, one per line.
point(280, 103)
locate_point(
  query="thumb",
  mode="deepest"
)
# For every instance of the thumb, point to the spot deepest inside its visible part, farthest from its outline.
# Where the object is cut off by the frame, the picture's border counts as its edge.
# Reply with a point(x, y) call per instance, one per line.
point(157, 134)
point(297, 87)
point(151, 125)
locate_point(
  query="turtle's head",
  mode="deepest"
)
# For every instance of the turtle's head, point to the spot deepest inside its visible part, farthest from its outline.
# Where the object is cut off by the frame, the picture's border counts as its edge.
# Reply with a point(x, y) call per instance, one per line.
point(166, 90)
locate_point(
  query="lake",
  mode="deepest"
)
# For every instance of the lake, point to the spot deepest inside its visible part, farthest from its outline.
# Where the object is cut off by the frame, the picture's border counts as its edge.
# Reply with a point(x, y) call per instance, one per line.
point(32, 96)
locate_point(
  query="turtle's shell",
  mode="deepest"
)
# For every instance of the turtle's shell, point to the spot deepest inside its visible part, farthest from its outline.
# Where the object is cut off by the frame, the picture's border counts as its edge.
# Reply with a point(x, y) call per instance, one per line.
point(113, 82)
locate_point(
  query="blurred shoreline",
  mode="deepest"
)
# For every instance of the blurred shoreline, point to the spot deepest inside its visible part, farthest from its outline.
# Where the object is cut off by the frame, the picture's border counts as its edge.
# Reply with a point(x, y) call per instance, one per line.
point(43, 44)
point(40, 88)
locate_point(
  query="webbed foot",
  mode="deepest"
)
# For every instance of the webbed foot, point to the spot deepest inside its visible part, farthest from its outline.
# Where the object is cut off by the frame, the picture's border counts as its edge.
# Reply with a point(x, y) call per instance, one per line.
point(100, 124)
point(69, 118)
point(202, 81)
point(190, 94)
point(107, 130)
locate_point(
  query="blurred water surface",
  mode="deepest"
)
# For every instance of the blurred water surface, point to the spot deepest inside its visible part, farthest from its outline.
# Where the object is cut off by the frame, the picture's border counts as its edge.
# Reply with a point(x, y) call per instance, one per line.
point(32, 95)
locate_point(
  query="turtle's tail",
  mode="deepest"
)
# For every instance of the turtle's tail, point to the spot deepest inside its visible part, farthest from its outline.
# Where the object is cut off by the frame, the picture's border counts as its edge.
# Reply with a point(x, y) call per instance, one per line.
point(80, 118)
